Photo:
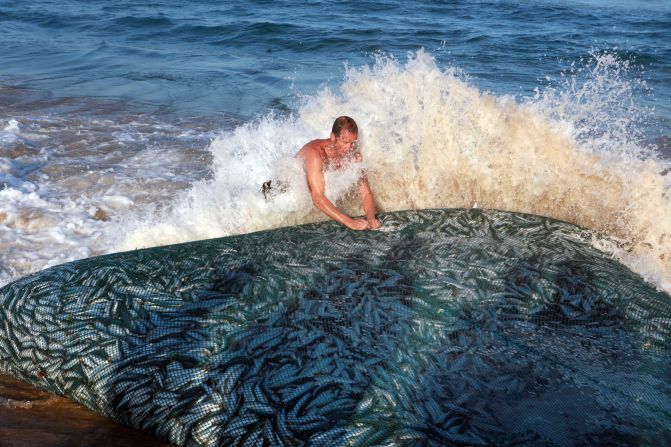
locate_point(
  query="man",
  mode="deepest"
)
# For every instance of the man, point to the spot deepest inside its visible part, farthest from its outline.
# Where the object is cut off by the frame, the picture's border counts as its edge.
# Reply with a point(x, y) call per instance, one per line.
point(335, 152)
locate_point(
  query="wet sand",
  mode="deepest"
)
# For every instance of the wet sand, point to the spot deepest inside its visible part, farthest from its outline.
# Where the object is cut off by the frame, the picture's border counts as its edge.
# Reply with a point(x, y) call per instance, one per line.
point(30, 417)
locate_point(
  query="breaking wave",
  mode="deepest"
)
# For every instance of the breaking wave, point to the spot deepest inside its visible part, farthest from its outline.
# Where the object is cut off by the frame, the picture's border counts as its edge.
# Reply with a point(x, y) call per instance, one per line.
point(429, 139)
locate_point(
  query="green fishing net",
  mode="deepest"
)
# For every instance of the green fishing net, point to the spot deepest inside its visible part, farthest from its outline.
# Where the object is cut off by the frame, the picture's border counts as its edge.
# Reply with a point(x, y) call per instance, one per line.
point(445, 327)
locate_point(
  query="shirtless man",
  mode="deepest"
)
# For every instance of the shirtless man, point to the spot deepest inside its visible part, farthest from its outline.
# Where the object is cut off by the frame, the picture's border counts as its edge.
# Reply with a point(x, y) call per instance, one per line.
point(335, 151)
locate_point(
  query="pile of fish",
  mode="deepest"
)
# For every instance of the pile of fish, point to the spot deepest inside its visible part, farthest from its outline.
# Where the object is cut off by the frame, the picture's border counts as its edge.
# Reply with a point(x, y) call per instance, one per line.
point(448, 327)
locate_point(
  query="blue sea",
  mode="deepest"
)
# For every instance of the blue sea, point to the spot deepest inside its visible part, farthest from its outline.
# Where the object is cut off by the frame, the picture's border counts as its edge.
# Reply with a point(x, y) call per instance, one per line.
point(132, 124)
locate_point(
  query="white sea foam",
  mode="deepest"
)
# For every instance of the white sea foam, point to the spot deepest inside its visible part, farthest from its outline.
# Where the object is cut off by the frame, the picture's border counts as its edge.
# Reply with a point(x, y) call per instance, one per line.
point(9, 132)
point(64, 182)
point(429, 139)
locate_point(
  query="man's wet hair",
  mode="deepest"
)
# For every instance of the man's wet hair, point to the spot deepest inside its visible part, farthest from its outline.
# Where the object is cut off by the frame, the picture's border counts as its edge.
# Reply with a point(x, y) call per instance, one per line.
point(344, 123)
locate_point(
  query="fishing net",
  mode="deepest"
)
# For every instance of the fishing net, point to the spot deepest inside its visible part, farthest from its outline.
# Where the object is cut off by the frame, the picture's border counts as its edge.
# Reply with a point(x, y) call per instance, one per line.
point(448, 327)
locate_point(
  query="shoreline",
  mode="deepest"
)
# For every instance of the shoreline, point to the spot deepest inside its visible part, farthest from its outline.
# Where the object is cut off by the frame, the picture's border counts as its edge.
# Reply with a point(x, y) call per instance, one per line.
point(30, 416)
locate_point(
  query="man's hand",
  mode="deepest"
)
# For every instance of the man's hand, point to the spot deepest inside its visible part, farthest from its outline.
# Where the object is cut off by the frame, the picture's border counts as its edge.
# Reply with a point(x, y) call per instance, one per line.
point(374, 223)
point(358, 224)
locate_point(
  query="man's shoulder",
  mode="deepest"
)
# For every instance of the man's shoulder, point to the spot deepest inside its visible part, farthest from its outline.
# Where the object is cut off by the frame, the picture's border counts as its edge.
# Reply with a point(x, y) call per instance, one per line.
point(311, 150)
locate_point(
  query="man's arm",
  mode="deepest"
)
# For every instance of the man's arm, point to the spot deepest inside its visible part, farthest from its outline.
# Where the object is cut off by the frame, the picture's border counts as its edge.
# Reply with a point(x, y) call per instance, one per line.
point(368, 202)
point(316, 183)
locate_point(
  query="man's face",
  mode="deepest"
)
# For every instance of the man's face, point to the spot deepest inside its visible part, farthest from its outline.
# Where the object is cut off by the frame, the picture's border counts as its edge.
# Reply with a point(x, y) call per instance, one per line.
point(345, 143)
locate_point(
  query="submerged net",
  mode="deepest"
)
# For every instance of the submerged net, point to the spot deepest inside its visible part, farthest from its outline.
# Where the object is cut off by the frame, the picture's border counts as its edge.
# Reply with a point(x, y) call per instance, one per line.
point(449, 327)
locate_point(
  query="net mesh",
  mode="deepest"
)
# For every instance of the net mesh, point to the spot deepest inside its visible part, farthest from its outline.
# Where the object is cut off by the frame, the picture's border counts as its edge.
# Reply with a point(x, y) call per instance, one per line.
point(450, 327)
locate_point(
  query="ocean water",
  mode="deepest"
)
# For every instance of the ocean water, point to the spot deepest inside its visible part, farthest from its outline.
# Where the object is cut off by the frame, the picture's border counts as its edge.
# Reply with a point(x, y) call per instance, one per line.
point(130, 125)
